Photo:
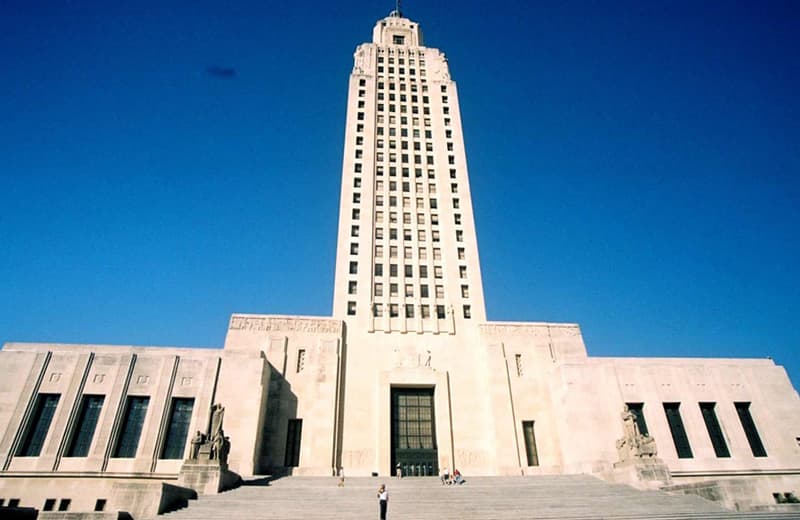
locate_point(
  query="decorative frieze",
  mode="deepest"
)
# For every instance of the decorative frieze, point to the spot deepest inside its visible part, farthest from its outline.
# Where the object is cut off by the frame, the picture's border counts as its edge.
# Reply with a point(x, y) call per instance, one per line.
point(529, 330)
point(269, 324)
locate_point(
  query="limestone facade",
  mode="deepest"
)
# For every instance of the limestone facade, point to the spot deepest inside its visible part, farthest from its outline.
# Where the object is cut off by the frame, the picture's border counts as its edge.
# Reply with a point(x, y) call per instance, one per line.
point(312, 395)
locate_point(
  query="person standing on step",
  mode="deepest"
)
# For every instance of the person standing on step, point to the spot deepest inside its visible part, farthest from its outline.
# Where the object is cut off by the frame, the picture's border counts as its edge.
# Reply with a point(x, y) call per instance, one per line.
point(383, 499)
point(341, 477)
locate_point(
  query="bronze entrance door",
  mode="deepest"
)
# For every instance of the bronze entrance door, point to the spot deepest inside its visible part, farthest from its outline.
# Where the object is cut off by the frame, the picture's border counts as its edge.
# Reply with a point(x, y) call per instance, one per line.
point(413, 432)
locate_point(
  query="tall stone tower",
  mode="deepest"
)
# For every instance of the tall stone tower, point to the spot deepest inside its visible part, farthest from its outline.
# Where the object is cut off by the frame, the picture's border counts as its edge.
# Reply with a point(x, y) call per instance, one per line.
point(407, 259)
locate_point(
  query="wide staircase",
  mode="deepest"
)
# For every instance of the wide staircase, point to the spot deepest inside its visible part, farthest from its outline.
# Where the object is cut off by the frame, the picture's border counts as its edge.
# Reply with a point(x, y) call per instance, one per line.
point(564, 497)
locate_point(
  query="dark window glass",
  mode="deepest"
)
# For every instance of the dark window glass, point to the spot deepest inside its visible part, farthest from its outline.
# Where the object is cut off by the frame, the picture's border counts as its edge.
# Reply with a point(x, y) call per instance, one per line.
point(413, 419)
point(678, 432)
point(637, 409)
point(49, 504)
point(178, 429)
point(39, 424)
point(128, 440)
point(293, 434)
point(714, 430)
point(64, 504)
point(743, 409)
point(530, 443)
point(100, 505)
point(87, 422)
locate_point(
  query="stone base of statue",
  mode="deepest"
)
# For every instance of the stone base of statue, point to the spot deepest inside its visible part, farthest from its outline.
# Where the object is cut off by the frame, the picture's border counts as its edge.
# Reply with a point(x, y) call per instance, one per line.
point(642, 473)
point(207, 477)
point(206, 470)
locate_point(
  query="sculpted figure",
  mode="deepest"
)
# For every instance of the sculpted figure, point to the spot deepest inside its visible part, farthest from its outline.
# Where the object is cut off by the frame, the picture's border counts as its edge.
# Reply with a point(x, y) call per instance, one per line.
point(217, 444)
point(630, 428)
point(197, 441)
point(217, 415)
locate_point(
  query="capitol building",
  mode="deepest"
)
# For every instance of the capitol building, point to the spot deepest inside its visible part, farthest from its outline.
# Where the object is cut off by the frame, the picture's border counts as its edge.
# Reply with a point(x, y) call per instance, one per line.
point(406, 374)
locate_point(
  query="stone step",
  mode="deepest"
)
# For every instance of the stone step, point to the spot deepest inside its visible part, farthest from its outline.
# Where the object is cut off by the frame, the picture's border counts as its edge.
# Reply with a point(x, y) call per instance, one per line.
point(564, 497)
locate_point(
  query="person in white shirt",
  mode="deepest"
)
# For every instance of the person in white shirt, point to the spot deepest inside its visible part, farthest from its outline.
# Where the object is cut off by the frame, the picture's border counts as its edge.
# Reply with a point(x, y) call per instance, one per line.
point(445, 476)
point(383, 499)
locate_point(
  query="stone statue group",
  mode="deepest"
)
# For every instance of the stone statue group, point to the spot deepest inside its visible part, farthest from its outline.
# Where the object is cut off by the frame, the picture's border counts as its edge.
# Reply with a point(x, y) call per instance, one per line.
point(634, 444)
point(214, 445)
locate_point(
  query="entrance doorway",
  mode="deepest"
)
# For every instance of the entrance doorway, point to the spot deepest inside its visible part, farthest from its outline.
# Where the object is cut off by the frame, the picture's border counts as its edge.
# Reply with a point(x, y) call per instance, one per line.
point(413, 432)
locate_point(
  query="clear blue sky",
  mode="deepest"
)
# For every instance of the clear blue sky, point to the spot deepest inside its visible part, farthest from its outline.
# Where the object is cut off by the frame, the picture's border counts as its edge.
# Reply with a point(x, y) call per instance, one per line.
point(634, 166)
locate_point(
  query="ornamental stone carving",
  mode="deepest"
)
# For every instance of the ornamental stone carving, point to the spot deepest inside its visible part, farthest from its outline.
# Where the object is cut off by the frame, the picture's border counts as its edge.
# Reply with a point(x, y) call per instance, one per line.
point(362, 59)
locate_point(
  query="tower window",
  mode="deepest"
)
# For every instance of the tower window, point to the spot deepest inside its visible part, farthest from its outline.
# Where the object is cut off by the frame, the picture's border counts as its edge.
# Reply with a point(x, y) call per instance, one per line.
point(178, 429)
point(351, 308)
point(352, 287)
point(677, 430)
point(467, 312)
point(91, 406)
point(750, 430)
point(353, 267)
point(440, 314)
point(398, 39)
point(714, 430)
point(39, 425)
point(135, 413)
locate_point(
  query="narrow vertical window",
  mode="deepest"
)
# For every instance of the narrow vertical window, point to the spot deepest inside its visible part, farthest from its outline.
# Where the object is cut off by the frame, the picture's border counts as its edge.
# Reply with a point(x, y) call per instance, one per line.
point(301, 359)
point(38, 426)
point(293, 434)
point(714, 430)
point(518, 362)
point(128, 440)
point(637, 409)
point(87, 422)
point(679, 437)
point(530, 443)
point(757, 447)
point(178, 429)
